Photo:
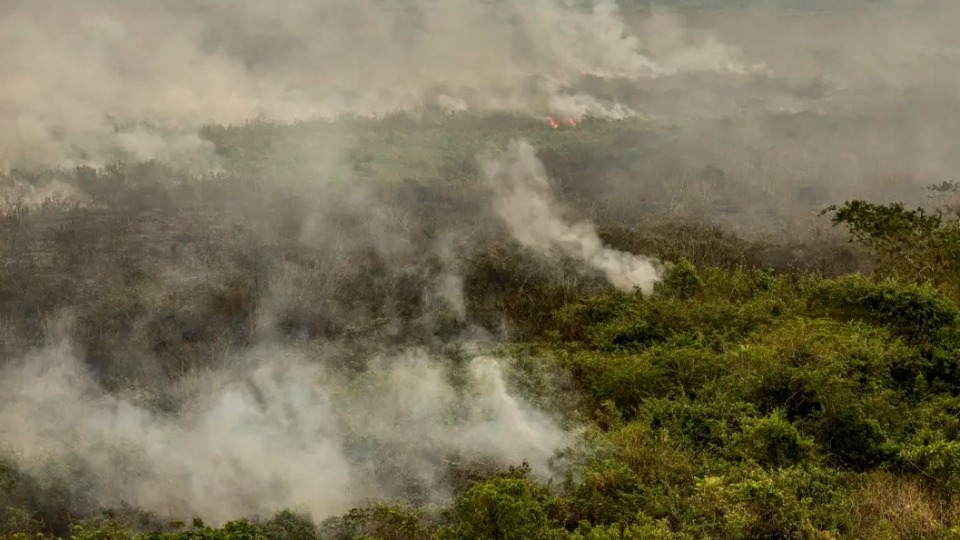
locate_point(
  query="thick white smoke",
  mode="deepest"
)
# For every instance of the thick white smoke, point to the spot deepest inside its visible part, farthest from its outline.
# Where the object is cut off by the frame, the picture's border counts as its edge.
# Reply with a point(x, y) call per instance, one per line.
point(523, 198)
point(279, 431)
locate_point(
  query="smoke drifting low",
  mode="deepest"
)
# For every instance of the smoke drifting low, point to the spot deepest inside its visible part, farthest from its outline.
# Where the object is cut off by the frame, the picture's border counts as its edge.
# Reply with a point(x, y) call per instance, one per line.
point(95, 80)
point(277, 430)
point(523, 200)
point(216, 311)
point(775, 94)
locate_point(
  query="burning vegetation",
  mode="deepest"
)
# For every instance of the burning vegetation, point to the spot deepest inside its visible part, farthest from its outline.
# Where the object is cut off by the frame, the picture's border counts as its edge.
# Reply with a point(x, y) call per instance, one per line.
point(707, 288)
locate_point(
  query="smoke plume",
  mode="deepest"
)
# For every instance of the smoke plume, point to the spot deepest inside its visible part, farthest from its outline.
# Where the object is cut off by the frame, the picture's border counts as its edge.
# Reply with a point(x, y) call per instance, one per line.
point(276, 430)
point(524, 201)
point(748, 114)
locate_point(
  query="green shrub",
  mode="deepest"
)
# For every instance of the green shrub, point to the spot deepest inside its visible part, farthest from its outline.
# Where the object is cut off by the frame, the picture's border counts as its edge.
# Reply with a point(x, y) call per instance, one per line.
point(772, 441)
point(105, 530)
point(913, 244)
point(655, 454)
point(609, 492)
point(701, 426)
point(625, 380)
point(287, 525)
point(937, 459)
point(501, 509)
point(728, 306)
point(798, 502)
point(638, 527)
point(681, 280)
point(854, 439)
point(915, 312)
point(381, 521)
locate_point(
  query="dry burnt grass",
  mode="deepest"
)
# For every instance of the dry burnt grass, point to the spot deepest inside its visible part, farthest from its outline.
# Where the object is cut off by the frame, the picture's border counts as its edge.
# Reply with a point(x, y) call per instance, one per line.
point(767, 389)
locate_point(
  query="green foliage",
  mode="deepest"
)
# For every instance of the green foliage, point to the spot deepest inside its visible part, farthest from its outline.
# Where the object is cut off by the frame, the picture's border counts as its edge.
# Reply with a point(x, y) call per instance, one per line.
point(102, 530)
point(380, 521)
point(912, 244)
point(728, 306)
point(798, 502)
point(502, 509)
point(915, 312)
point(832, 381)
point(745, 398)
point(729, 404)
point(936, 458)
point(885, 224)
point(773, 441)
point(625, 380)
point(640, 527)
point(682, 280)
point(608, 493)
point(15, 512)
point(287, 525)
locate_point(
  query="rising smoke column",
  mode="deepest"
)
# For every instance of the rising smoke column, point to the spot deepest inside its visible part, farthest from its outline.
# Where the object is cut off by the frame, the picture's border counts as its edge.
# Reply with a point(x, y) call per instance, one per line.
point(523, 199)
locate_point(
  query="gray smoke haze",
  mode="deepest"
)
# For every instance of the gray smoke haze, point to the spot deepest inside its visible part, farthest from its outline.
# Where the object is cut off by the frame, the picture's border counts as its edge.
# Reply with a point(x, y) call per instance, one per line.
point(775, 98)
point(852, 94)
point(523, 199)
point(847, 96)
point(274, 430)
point(33, 196)
point(91, 80)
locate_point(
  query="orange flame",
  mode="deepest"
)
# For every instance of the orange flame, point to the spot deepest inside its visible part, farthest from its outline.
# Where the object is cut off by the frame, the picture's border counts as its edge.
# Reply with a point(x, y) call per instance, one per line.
point(573, 122)
point(553, 123)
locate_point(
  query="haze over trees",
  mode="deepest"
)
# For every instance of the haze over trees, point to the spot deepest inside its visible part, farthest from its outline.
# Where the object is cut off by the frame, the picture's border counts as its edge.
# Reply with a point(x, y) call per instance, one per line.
point(315, 270)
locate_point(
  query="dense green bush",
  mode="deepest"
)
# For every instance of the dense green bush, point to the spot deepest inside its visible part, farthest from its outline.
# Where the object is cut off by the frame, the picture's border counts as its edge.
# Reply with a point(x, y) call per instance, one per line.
point(501, 509)
point(772, 441)
point(915, 312)
point(382, 521)
point(913, 244)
